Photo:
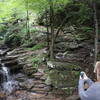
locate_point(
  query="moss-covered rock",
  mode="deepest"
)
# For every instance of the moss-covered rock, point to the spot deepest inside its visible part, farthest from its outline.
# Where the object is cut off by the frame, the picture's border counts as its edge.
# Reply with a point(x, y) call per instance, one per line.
point(63, 75)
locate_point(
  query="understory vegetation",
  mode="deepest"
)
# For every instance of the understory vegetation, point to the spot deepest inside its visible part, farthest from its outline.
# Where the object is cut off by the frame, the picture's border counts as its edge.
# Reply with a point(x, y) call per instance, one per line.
point(65, 13)
point(60, 33)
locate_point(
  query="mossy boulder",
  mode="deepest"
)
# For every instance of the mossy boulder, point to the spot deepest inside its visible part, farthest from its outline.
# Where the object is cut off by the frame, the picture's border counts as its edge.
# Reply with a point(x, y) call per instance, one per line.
point(68, 46)
point(63, 75)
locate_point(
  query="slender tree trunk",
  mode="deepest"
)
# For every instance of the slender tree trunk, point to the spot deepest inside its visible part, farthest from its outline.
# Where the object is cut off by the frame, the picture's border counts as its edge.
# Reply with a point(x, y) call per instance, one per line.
point(59, 28)
point(27, 21)
point(96, 31)
point(52, 30)
point(48, 44)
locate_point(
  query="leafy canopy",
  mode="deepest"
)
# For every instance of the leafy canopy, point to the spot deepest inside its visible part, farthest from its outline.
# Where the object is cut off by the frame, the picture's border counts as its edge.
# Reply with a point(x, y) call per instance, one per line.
point(10, 8)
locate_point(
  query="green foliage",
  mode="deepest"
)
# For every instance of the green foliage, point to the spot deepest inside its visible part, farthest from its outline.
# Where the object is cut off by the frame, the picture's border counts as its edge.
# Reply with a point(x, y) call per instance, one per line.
point(38, 46)
point(36, 61)
point(79, 13)
point(12, 40)
point(86, 29)
point(3, 30)
point(26, 43)
point(10, 8)
point(85, 14)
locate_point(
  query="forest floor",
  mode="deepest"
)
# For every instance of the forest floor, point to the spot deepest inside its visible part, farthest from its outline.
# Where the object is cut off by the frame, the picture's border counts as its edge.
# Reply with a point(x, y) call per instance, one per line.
point(39, 89)
point(66, 51)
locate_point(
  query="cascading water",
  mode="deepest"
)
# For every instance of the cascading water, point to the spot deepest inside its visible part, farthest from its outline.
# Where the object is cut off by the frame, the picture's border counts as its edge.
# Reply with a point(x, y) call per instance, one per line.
point(6, 73)
point(8, 83)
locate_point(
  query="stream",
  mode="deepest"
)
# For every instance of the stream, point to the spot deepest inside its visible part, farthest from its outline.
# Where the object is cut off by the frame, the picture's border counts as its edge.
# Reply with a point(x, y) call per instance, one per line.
point(16, 85)
point(8, 84)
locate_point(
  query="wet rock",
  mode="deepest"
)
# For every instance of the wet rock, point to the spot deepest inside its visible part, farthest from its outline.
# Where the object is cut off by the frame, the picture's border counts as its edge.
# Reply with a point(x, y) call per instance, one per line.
point(20, 77)
point(39, 90)
point(38, 75)
point(8, 58)
point(16, 51)
point(29, 70)
point(1, 77)
point(72, 57)
point(40, 86)
point(3, 52)
point(37, 96)
point(67, 46)
point(38, 82)
point(28, 84)
point(3, 46)
point(11, 63)
point(10, 86)
point(43, 78)
point(61, 66)
point(14, 66)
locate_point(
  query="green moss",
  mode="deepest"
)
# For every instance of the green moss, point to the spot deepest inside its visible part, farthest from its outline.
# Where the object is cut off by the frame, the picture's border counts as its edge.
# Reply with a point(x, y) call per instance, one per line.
point(36, 61)
point(67, 66)
point(34, 30)
point(63, 78)
point(38, 46)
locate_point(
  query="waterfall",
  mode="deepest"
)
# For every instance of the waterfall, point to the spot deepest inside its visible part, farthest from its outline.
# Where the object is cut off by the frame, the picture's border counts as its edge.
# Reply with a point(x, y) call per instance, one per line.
point(6, 73)
point(7, 81)
point(8, 84)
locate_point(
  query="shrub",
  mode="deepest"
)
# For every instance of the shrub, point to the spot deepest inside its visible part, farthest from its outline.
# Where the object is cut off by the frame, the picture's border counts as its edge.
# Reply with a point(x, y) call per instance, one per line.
point(36, 61)
point(12, 40)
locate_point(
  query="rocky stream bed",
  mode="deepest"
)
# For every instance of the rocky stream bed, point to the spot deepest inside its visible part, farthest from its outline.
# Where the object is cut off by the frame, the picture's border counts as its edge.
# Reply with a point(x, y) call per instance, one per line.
point(51, 80)
point(15, 81)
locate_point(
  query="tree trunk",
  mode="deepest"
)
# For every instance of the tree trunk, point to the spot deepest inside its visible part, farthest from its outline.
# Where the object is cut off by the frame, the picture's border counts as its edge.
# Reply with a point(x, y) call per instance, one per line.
point(27, 22)
point(52, 30)
point(59, 28)
point(48, 44)
point(96, 32)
